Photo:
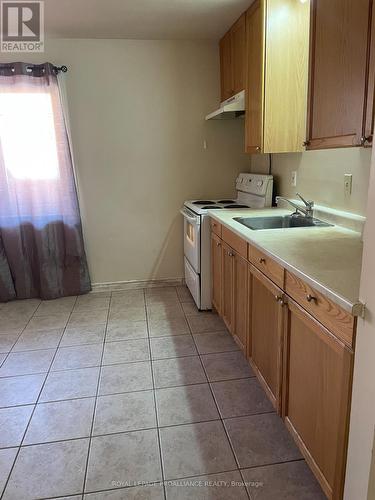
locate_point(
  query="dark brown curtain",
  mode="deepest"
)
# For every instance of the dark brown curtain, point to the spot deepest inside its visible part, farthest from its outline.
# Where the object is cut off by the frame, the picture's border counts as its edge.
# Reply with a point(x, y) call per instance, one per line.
point(41, 244)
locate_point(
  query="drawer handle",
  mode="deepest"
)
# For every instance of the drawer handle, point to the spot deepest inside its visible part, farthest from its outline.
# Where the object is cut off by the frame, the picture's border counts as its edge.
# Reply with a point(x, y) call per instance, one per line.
point(262, 260)
point(231, 254)
point(311, 298)
point(218, 244)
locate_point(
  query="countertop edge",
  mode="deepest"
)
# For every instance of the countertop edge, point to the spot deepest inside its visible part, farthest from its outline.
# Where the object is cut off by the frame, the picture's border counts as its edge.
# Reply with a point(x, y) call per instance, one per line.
point(354, 308)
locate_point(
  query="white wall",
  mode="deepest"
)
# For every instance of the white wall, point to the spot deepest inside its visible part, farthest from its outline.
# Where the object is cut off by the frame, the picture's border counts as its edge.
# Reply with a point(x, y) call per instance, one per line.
point(320, 176)
point(137, 117)
point(361, 436)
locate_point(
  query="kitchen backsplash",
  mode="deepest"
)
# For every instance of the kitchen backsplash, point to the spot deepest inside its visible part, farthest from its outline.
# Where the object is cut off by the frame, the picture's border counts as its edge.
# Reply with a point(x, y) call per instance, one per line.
point(320, 176)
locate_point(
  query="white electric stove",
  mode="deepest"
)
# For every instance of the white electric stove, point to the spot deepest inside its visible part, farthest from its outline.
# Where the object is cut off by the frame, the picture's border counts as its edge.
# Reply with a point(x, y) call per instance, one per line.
point(253, 191)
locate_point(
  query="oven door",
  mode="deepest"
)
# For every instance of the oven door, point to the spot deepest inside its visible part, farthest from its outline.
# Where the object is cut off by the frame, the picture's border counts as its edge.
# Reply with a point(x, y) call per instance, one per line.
point(192, 238)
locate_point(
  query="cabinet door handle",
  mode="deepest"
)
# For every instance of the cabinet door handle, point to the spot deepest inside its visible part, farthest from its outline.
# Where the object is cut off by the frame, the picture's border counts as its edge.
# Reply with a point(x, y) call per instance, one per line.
point(218, 244)
point(262, 260)
point(258, 148)
point(366, 139)
point(311, 298)
point(306, 143)
point(231, 254)
point(279, 298)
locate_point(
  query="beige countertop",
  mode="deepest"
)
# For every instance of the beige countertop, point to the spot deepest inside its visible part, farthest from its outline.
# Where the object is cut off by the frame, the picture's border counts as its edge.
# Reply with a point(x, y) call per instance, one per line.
point(329, 259)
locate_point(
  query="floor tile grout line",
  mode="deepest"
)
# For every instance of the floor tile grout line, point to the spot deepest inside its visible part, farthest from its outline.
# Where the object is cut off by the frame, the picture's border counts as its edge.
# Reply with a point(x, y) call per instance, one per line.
point(155, 401)
point(218, 410)
point(95, 404)
point(157, 426)
point(35, 405)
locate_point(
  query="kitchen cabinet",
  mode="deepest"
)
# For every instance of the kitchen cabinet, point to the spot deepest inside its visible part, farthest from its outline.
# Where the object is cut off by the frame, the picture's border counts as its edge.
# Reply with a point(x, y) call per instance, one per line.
point(266, 334)
point(233, 59)
point(339, 73)
point(277, 76)
point(300, 345)
point(368, 125)
point(226, 70)
point(316, 396)
point(216, 270)
point(227, 285)
point(238, 35)
point(241, 297)
point(255, 77)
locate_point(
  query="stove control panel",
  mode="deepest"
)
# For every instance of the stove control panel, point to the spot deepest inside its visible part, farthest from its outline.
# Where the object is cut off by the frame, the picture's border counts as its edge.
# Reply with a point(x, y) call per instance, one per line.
point(256, 184)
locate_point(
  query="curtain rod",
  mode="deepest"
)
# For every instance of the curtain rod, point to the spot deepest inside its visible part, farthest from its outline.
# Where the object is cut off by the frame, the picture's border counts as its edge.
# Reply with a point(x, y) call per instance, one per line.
point(57, 69)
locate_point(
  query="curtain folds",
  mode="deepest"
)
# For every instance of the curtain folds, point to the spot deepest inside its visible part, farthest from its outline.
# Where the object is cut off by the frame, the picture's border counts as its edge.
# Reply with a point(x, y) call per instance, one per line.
point(41, 243)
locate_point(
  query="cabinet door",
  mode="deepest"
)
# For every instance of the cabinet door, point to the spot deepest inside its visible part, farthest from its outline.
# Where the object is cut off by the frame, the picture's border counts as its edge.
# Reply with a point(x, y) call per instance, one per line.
point(238, 33)
point(254, 77)
point(286, 75)
point(368, 126)
point(266, 334)
point(216, 269)
point(240, 301)
point(317, 373)
point(226, 70)
point(337, 73)
point(227, 286)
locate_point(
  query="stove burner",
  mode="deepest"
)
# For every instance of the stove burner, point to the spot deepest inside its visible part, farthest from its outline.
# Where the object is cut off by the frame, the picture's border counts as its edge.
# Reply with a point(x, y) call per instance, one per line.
point(212, 207)
point(226, 201)
point(236, 206)
point(203, 202)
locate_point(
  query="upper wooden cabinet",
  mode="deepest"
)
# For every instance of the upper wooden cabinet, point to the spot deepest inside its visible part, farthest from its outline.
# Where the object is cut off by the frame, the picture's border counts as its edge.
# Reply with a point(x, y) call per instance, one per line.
point(341, 89)
point(255, 77)
point(233, 59)
point(277, 75)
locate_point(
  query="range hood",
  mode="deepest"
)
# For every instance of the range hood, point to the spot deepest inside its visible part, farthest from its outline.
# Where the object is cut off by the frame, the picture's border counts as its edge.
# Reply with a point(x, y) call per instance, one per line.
point(229, 109)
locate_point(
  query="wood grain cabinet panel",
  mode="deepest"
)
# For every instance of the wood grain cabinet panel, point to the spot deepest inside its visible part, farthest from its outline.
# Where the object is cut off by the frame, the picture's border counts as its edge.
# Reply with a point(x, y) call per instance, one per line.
point(368, 125)
point(226, 69)
point(216, 270)
point(316, 396)
point(266, 334)
point(241, 297)
point(227, 285)
point(215, 227)
point(338, 66)
point(254, 95)
point(268, 266)
point(234, 241)
point(332, 316)
point(286, 75)
point(238, 34)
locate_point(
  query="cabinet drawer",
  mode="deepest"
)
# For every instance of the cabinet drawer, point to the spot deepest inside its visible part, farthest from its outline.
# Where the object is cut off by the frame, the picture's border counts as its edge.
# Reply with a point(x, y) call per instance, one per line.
point(268, 266)
point(215, 227)
point(234, 241)
point(332, 316)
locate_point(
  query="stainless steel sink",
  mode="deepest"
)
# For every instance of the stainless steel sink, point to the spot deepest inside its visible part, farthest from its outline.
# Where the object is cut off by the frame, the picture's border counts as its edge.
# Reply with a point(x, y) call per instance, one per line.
point(280, 222)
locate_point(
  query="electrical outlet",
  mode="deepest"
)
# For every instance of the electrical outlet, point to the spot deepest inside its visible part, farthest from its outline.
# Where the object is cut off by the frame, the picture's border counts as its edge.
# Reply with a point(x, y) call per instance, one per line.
point(348, 183)
point(293, 179)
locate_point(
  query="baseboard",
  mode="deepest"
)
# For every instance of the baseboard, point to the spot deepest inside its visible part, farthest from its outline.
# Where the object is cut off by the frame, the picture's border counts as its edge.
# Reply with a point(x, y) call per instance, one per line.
point(136, 284)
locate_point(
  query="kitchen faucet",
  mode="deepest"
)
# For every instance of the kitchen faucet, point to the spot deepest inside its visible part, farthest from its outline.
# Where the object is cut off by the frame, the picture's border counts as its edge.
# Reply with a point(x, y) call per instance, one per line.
point(307, 212)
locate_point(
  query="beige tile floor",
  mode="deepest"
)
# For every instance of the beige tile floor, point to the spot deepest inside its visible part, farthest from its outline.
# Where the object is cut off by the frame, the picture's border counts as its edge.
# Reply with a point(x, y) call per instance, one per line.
point(136, 395)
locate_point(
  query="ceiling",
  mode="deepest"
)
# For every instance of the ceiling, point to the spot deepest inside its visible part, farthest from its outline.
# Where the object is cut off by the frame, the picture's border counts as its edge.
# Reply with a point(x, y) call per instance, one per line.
point(141, 19)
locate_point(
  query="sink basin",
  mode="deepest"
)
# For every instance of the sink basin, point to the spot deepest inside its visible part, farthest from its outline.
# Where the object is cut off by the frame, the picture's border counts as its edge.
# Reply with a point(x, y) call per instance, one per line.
point(280, 222)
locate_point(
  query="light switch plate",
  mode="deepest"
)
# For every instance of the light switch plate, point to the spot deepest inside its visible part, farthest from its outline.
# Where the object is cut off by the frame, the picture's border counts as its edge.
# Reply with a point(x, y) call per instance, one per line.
point(348, 183)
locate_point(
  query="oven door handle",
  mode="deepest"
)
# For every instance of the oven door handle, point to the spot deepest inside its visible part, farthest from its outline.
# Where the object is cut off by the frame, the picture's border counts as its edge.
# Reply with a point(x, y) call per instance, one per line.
point(193, 220)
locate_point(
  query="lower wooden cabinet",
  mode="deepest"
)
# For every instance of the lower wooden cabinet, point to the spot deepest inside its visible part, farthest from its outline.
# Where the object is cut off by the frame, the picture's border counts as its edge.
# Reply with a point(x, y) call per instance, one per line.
point(241, 297)
point(316, 396)
point(267, 334)
point(216, 264)
point(227, 286)
point(305, 368)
